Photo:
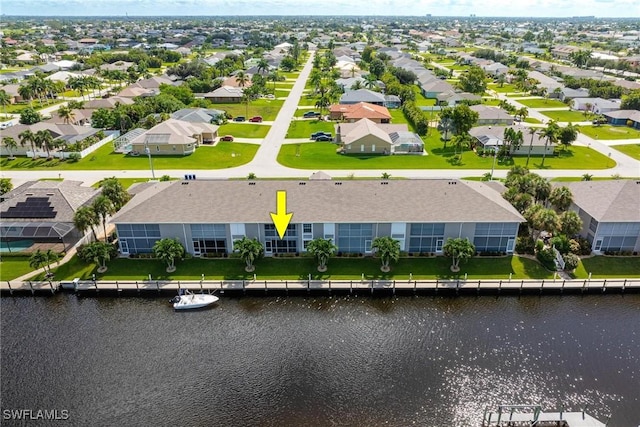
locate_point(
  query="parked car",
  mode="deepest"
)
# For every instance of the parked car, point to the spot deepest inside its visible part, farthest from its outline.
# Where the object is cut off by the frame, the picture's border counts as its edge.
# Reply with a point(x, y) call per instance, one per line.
point(319, 133)
point(239, 119)
point(256, 119)
point(6, 125)
point(270, 96)
point(311, 114)
point(324, 138)
point(226, 138)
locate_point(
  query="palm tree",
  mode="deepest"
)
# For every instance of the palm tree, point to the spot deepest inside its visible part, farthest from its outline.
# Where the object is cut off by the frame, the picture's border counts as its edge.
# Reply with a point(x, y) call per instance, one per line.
point(115, 192)
point(168, 250)
point(249, 250)
point(5, 100)
point(561, 198)
point(550, 133)
point(11, 145)
point(43, 138)
point(103, 207)
point(85, 218)
point(387, 249)
point(370, 81)
point(322, 250)
point(458, 249)
point(37, 259)
point(66, 114)
point(546, 220)
point(26, 136)
point(587, 177)
point(97, 252)
point(242, 79)
point(523, 113)
point(26, 93)
point(501, 79)
point(262, 66)
point(532, 132)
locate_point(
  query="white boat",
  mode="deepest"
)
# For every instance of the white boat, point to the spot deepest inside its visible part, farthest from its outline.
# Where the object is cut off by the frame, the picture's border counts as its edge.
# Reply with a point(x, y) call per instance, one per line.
point(188, 300)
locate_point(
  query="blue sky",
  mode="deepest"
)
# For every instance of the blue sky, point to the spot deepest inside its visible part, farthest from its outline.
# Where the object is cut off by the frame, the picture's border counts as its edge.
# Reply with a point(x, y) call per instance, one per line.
point(525, 8)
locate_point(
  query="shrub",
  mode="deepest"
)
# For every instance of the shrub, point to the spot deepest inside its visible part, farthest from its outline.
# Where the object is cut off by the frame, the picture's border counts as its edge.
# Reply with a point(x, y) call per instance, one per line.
point(525, 245)
point(571, 261)
point(546, 258)
point(574, 246)
point(561, 243)
point(585, 246)
point(74, 157)
point(539, 245)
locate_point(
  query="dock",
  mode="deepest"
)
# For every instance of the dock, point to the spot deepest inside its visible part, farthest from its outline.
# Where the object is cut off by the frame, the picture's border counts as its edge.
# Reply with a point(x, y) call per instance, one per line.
point(364, 286)
point(530, 415)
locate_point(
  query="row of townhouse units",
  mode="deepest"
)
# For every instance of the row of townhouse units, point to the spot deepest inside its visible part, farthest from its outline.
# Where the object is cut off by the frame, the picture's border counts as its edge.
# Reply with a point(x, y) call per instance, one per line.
point(207, 216)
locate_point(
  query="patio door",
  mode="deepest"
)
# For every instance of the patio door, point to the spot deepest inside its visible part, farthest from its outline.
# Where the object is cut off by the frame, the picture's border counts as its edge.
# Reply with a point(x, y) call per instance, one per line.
point(124, 247)
point(510, 244)
point(439, 243)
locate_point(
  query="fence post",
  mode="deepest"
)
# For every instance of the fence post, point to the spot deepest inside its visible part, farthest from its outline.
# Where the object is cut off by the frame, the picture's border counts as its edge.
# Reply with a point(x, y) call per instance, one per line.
point(624, 285)
point(158, 285)
point(478, 289)
point(51, 285)
point(457, 286)
point(415, 287)
point(562, 288)
point(500, 287)
point(117, 288)
point(371, 286)
point(329, 287)
point(436, 290)
point(394, 287)
point(286, 286)
point(521, 285)
point(265, 286)
point(604, 285)
point(541, 286)
point(10, 290)
point(351, 286)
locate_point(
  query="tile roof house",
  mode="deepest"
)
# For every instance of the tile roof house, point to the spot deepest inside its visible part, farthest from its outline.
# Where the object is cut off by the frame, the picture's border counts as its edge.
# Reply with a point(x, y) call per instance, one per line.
point(107, 102)
point(43, 211)
point(224, 94)
point(208, 215)
point(488, 115)
point(596, 105)
point(198, 115)
point(362, 110)
point(371, 97)
point(610, 213)
point(366, 137)
point(174, 137)
point(493, 137)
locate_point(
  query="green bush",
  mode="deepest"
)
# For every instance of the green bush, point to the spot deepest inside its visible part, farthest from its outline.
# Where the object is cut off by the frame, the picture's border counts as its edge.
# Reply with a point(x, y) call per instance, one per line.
point(74, 157)
point(561, 243)
point(546, 258)
point(539, 245)
point(571, 261)
point(525, 245)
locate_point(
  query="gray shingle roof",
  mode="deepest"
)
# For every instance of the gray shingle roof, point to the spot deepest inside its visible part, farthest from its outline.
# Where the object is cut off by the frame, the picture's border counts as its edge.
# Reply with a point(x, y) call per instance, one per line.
point(209, 201)
point(608, 201)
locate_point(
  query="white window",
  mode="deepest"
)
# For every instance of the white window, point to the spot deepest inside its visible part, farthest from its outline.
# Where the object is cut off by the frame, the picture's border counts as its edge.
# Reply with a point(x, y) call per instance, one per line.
point(329, 230)
point(238, 229)
point(373, 148)
point(362, 148)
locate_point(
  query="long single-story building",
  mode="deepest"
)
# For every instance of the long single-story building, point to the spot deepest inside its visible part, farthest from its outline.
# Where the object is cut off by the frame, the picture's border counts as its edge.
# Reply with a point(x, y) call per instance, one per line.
point(207, 216)
point(174, 137)
point(623, 118)
point(366, 137)
point(610, 213)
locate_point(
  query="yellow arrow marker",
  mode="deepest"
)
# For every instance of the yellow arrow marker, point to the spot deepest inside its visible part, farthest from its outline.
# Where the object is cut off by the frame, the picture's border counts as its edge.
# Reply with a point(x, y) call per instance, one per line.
point(281, 218)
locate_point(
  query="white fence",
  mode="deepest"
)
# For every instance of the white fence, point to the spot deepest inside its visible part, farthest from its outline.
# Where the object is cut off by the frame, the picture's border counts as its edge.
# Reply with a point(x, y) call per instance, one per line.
point(66, 154)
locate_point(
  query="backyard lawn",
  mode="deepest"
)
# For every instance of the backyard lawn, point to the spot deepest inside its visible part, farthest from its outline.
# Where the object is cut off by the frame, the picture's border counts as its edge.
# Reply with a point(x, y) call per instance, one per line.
point(532, 120)
point(610, 132)
point(324, 156)
point(223, 155)
point(14, 266)
point(308, 100)
point(267, 108)
point(632, 150)
point(126, 182)
point(566, 116)
point(244, 130)
point(420, 99)
point(300, 268)
point(506, 88)
point(541, 103)
point(37, 105)
point(608, 266)
point(304, 128)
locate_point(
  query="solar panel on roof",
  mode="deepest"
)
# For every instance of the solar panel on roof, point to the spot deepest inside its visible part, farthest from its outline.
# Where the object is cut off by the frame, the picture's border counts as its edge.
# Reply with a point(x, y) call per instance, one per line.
point(32, 207)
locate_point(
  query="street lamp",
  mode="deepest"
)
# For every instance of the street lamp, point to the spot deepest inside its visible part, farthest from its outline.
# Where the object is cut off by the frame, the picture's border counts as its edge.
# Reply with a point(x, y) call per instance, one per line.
point(148, 151)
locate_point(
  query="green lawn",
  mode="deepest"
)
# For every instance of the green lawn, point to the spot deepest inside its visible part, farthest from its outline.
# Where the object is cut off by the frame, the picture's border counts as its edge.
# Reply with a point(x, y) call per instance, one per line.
point(566, 116)
point(506, 88)
point(290, 75)
point(17, 108)
point(607, 266)
point(281, 93)
point(308, 100)
point(267, 108)
point(541, 103)
point(532, 120)
point(420, 99)
point(324, 156)
point(285, 85)
point(126, 182)
point(300, 268)
point(632, 150)
point(610, 132)
point(14, 266)
point(397, 116)
point(223, 155)
point(304, 128)
point(244, 130)
point(493, 102)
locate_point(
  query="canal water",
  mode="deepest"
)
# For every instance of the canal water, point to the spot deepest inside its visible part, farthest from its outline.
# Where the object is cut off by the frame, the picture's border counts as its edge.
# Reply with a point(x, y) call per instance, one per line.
point(319, 361)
